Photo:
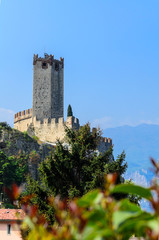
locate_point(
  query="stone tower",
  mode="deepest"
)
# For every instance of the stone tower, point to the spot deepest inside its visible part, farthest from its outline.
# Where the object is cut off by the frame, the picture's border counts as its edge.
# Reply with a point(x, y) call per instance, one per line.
point(47, 87)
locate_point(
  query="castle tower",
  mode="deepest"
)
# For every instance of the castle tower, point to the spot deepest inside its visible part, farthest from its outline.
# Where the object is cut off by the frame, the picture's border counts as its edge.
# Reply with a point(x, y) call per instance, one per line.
point(47, 87)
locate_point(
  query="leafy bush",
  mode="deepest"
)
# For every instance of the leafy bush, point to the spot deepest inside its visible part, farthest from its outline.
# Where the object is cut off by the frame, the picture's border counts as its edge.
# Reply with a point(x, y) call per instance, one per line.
point(97, 215)
point(13, 169)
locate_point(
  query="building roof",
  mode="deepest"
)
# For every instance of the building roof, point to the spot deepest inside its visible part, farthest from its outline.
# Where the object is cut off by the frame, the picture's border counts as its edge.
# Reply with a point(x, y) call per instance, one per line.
point(11, 214)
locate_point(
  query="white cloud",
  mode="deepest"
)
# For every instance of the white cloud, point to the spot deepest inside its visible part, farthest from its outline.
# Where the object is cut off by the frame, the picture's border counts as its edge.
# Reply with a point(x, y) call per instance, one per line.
point(138, 178)
point(105, 122)
point(7, 115)
point(156, 122)
point(144, 171)
point(109, 122)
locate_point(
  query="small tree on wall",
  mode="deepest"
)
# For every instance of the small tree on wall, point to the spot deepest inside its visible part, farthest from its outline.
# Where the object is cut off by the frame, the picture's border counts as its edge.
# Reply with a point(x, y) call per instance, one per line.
point(69, 111)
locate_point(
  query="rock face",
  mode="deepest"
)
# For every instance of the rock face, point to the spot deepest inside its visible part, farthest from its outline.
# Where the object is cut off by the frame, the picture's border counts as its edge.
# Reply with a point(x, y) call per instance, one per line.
point(14, 142)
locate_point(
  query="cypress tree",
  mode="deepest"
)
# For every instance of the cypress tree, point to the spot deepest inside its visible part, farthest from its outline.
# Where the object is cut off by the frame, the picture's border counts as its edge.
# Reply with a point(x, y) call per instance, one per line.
point(69, 111)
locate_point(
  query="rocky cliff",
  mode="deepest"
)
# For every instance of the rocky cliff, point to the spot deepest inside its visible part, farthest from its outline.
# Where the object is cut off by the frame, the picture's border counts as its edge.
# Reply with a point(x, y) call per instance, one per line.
point(14, 142)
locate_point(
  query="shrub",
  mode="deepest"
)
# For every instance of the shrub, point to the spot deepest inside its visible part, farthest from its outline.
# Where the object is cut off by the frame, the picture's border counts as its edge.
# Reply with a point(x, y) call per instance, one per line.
point(97, 215)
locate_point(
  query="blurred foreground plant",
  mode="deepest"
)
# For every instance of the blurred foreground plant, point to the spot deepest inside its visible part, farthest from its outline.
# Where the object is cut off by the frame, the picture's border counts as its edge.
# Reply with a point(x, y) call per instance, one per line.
point(97, 215)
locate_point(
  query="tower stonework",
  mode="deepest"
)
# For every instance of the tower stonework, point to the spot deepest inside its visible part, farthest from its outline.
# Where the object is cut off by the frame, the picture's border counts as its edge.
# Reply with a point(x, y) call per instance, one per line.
point(47, 87)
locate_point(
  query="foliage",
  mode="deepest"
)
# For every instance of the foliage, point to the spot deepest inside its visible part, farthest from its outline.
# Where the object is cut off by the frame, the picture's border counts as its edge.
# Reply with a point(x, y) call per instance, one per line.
point(35, 138)
point(12, 170)
point(39, 198)
point(74, 169)
point(69, 111)
point(134, 198)
point(5, 125)
point(97, 215)
point(26, 136)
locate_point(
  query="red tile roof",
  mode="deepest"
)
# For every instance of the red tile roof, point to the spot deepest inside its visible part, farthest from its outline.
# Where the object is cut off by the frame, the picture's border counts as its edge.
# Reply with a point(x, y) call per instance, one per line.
point(11, 214)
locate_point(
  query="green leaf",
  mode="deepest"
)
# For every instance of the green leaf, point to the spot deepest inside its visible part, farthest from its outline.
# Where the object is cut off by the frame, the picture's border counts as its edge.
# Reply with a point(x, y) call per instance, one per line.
point(91, 198)
point(154, 225)
point(93, 233)
point(28, 222)
point(135, 223)
point(120, 216)
point(133, 189)
point(126, 205)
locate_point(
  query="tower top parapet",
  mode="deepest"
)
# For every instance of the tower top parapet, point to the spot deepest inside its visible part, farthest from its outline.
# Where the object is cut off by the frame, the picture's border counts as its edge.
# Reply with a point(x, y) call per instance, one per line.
point(47, 59)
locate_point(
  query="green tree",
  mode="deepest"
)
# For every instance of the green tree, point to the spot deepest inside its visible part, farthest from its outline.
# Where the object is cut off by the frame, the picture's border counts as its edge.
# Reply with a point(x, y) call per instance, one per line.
point(39, 197)
point(12, 170)
point(5, 125)
point(75, 168)
point(78, 167)
point(69, 111)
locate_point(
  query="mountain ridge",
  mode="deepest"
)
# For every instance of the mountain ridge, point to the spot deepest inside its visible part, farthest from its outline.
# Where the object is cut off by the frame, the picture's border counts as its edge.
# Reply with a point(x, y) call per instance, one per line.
point(139, 143)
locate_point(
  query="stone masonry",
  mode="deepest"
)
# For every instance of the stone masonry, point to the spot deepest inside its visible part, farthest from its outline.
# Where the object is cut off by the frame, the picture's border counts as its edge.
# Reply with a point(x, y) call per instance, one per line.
point(47, 87)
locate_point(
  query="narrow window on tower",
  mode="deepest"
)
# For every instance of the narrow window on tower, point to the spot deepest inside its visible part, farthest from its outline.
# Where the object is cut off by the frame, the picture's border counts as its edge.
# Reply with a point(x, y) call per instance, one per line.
point(56, 66)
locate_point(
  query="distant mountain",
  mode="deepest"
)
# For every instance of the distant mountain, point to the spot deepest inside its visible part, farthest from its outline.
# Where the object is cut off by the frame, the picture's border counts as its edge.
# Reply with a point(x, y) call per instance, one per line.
point(140, 143)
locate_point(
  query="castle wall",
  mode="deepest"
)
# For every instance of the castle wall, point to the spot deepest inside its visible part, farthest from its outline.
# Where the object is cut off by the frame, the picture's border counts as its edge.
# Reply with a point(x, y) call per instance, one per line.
point(22, 120)
point(104, 144)
point(50, 131)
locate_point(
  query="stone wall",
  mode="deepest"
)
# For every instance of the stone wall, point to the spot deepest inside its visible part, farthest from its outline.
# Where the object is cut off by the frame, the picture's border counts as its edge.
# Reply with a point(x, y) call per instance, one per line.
point(50, 131)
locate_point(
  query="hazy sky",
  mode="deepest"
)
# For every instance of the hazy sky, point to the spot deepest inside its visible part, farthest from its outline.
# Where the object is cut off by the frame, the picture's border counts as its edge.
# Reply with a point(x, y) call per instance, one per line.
point(111, 52)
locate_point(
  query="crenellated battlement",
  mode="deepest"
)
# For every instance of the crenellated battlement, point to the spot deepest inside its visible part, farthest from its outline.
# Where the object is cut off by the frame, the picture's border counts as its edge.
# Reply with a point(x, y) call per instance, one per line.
point(48, 122)
point(48, 60)
point(106, 140)
point(105, 144)
point(72, 122)
point(25, 114)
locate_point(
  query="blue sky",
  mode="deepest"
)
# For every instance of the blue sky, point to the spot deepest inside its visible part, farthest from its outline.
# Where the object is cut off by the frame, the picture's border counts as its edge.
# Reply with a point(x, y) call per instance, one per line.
point(111, 52)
